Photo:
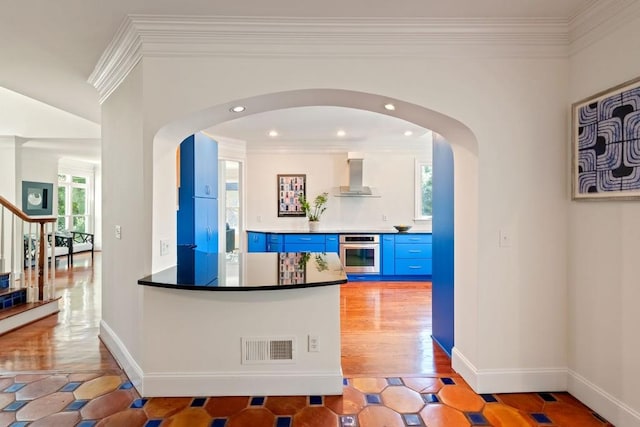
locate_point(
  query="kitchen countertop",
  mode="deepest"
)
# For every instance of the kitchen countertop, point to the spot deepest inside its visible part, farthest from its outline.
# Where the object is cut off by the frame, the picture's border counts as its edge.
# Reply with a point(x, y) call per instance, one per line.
point(339, 231)
point(197, 270)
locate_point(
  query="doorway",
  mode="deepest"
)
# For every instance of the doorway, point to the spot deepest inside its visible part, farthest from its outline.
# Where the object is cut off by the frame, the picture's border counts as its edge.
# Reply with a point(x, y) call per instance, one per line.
point(231, 205)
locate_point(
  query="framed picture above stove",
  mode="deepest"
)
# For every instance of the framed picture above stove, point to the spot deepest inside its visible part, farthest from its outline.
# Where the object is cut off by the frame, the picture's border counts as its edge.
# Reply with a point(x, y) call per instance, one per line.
point(290, 187)
point(606, 144)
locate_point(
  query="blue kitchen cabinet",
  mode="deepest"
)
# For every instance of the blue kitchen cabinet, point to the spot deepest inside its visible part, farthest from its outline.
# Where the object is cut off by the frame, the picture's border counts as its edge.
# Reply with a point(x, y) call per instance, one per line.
point(205, 224)
point(196, 267)
point(304, 242)
point(256, 242)
point(275, 243)
point(197, 215)
point(332, 243)
point(413, 254)
point(388, 253)
point(199, 166)
point(413, 266)
point(413, 238)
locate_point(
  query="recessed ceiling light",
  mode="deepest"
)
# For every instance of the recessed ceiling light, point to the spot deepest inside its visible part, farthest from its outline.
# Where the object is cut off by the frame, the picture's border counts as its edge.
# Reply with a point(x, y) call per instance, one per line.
point(389, 106)
point(238, 109)
point(341, 133)
point(408, 133)
point(273, 133)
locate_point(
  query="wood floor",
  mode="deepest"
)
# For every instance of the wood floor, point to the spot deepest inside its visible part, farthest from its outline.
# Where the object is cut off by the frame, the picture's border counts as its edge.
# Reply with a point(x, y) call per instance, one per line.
point(386, 329)
point(68, 341)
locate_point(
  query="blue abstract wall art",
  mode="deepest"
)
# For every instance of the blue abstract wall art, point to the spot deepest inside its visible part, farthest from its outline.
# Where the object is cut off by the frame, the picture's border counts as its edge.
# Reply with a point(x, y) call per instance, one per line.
point(606, 144)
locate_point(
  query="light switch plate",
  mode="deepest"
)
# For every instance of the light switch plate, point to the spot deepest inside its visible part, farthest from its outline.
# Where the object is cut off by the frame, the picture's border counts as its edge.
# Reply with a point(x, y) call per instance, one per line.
point(118, 232)
point(505, 238)
point(164, 247)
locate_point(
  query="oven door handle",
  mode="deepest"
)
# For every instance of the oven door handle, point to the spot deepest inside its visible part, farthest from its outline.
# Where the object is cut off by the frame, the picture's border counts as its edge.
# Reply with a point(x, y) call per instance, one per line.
point(359, 246)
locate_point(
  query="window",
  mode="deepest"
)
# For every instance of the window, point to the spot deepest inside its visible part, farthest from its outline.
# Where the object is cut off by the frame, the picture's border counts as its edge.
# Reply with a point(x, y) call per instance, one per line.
point(74, 198)
point(423, 190)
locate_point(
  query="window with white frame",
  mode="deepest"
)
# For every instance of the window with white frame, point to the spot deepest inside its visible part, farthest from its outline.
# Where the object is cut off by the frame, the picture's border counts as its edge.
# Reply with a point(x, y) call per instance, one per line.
point(423, 190)
point(75, 198)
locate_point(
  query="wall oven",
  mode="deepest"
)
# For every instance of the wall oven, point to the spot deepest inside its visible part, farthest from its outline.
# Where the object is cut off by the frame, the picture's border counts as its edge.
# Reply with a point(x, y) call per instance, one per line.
point(360, 253)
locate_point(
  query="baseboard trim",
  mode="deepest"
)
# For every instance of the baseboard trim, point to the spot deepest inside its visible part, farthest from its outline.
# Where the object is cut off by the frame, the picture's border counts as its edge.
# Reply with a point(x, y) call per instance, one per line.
point(509, 380)
point(122, 355)
point(31, 315)
point(614, 410)
point(175, 384)
point(242, 384)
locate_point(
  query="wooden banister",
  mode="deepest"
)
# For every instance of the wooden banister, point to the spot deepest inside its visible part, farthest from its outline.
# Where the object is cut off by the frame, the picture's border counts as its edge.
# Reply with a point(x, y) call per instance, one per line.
point(42, 220)
point(23, 216)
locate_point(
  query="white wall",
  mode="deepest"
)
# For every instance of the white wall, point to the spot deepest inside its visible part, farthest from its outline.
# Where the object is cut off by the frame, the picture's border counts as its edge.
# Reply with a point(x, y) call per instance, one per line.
point(9, 167)
point(391, 175)
point(604, 243)
point(126, 198)
point(516, 109)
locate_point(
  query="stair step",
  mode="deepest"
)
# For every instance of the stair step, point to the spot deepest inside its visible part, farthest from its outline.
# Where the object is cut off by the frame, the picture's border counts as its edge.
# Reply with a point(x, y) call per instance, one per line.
point(23, 314)
point(11, 298)
point(5, 279)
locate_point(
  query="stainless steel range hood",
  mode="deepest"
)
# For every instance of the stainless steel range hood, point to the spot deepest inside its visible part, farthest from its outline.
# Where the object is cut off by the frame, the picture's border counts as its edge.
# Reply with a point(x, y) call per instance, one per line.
point(356, 187)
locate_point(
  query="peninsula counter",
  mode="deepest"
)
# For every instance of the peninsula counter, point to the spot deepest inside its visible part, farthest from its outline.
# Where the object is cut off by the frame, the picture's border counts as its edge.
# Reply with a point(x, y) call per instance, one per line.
point(255, 324)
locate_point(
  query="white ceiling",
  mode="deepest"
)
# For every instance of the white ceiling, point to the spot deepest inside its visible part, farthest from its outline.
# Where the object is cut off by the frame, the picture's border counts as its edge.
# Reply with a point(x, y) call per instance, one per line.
point(49, 48)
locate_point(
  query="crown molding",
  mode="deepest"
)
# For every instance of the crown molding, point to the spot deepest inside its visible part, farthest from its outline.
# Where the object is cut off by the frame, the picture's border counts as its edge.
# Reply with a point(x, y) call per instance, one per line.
point(117, 61)
point(192, 36)
point(598, 19)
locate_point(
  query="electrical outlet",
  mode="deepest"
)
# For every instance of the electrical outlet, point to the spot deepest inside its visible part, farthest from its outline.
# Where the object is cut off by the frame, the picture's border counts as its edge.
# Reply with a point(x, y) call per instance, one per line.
point(259, 218)
point(384, 217)
point(118, 232)
point(314, 343)
point(164, 247)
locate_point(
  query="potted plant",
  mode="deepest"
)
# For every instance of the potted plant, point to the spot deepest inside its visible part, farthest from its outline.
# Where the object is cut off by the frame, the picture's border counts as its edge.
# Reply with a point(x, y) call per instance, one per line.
point(313, 212)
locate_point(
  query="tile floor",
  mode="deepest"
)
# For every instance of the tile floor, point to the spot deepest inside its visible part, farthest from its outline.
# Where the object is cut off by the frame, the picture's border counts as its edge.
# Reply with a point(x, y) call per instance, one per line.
point(108, 399)
point(55, 373)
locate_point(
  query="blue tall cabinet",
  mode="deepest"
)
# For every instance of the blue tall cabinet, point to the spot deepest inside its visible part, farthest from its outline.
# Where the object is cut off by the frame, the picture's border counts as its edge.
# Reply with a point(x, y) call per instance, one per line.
point(198, 194)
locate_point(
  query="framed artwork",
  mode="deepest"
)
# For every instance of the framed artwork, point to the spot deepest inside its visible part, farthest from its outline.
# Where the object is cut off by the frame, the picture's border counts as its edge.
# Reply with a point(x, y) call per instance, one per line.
point(606, 144)
point(37, 198)
point(290, 187)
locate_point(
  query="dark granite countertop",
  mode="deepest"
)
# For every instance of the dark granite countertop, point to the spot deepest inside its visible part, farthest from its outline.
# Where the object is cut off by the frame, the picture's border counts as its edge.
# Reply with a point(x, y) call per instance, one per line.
point(249, 271)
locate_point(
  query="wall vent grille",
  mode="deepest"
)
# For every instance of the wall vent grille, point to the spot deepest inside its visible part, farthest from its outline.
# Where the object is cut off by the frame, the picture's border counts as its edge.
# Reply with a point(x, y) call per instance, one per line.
point(268, 350)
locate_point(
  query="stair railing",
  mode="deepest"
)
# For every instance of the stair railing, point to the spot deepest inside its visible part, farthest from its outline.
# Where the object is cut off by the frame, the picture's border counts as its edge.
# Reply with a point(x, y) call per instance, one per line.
point(38, 246)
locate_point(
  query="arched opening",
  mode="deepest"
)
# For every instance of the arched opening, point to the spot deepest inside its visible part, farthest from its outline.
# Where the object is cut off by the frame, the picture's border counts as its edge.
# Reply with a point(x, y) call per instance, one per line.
point(464, 149)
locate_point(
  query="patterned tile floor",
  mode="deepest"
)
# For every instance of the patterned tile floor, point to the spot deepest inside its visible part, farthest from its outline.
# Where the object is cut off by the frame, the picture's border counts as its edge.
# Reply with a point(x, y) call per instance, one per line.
point(108, 399)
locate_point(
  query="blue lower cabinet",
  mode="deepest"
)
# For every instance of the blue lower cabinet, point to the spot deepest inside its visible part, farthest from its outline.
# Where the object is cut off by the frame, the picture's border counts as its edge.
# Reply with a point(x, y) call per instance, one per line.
point(388, 261)
point(275, 243)
point(304, 243)
point(413, 238)
point(418, 250)
point(331, 243)
point(256, 242)
point(409, 266)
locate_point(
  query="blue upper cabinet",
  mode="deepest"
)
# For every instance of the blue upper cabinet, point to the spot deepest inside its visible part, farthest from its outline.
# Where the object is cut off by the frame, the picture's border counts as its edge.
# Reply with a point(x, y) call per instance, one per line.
point(197, 216)
point(199, 166)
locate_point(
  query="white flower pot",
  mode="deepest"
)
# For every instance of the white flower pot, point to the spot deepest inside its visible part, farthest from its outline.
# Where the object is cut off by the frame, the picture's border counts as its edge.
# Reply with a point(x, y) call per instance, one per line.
point(314, 225)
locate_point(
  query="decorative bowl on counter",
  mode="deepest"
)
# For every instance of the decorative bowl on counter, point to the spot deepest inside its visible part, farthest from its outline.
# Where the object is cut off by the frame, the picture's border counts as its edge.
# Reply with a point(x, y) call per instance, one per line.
point(402, 228)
